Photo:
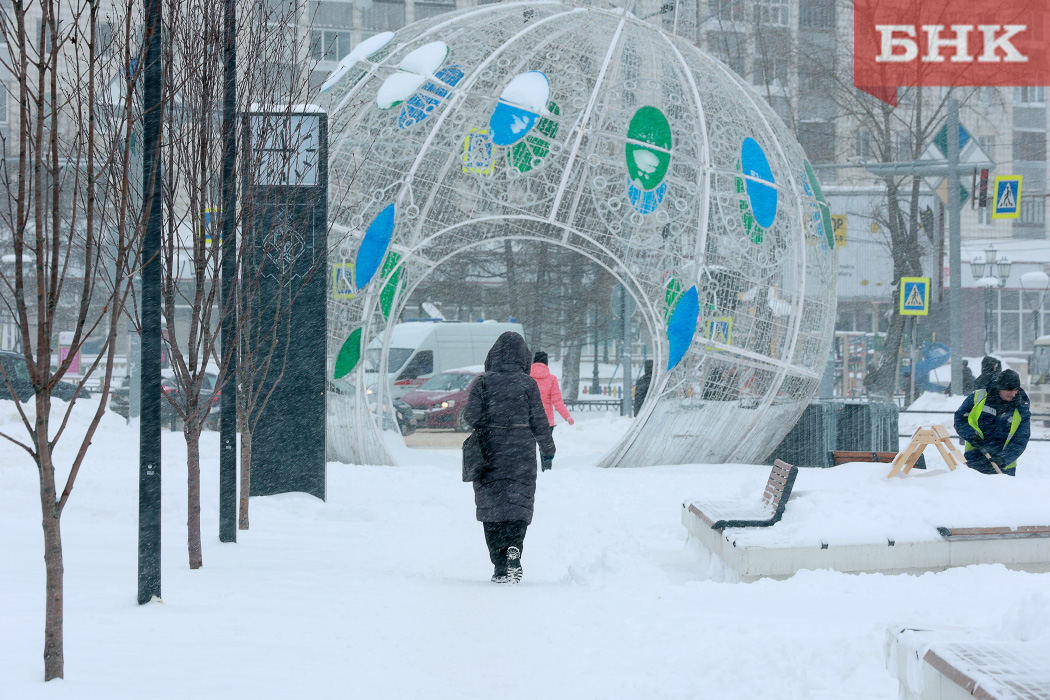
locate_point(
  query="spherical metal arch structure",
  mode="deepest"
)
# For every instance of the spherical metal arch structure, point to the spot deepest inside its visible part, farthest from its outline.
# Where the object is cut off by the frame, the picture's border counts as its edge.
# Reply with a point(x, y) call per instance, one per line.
point(587, 128)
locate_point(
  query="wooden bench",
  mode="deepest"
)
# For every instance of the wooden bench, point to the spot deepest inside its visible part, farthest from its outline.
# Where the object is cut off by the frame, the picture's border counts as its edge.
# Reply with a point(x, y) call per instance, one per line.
point(719, 515)
point(957, 663)
point(845, 456)
point(993, 533)
point(992, 670)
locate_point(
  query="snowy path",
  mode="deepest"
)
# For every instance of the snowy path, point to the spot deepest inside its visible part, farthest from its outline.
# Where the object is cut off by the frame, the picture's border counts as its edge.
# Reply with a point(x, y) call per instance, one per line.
point(383, 592)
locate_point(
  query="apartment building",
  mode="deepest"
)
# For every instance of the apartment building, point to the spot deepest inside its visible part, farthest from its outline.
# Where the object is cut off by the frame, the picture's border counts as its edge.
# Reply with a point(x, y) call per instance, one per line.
point(798, 55)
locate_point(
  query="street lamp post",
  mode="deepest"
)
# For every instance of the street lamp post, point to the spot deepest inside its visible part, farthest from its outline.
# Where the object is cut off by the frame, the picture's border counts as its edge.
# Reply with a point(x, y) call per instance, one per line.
point(1035, 285)
point(990, 273)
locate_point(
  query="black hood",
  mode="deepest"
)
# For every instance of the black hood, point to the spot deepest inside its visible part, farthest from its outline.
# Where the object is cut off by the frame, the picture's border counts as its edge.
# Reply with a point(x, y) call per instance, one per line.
point(509, 354)
point(988, 365)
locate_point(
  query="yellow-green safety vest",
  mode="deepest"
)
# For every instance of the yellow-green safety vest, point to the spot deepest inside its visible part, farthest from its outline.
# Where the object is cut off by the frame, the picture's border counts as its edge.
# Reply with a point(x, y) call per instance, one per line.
point(979, 398)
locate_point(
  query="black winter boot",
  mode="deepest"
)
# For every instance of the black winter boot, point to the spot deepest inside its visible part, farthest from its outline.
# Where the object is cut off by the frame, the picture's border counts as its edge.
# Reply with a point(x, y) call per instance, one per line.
point(514, 571)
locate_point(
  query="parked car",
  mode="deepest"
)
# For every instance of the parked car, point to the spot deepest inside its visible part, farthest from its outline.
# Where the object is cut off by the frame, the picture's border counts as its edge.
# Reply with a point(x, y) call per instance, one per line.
point(209, 394)
point(407, 422)
point(441, 399)
point(15, 369)
point(405, 416)
point(120, 395)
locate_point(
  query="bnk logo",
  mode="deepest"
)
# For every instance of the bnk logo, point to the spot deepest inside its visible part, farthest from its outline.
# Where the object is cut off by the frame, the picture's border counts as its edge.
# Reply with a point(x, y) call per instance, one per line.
point(955, 43)
point(996, 43)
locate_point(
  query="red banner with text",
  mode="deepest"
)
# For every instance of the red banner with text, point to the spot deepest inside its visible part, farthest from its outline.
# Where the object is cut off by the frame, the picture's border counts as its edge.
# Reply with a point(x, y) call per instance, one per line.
point(954, 43)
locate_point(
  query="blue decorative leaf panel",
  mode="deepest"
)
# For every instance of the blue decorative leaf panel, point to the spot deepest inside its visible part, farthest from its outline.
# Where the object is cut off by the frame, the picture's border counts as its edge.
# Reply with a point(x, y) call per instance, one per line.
point(645, 202)
point(682, 326)
point(373, 248)
point(423, 103)
point(520, 106)
point(761, 189)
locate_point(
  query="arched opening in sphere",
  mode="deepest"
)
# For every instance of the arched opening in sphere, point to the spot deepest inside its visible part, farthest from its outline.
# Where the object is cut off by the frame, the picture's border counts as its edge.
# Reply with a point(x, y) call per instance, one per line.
point(589, 129)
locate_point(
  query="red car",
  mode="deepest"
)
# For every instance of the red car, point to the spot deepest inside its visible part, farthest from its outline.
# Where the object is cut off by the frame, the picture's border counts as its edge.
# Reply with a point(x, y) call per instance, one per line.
point(440, 401)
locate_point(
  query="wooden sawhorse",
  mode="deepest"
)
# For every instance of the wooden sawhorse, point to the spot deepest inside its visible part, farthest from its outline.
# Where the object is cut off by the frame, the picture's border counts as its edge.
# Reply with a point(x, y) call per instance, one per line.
point(937, 436)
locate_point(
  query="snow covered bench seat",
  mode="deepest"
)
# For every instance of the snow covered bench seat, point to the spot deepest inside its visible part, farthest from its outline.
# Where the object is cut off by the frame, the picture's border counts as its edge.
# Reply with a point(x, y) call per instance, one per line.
point(945, 665)
point(718, 515)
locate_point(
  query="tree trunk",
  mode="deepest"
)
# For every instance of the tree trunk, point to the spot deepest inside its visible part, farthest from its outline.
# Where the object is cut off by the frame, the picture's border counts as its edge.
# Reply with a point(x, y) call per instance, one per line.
point(192, 433)
point(570, 370)
point(576, 327)
point(246, 475)
point(512, 279)
point(906, 263)
point(537, 292)
point(54, 654)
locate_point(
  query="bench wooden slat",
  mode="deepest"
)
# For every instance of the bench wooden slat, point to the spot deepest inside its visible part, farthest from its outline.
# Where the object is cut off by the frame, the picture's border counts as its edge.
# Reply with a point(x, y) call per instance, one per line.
point(775, 496)
point(994, 533)
point(844, 456)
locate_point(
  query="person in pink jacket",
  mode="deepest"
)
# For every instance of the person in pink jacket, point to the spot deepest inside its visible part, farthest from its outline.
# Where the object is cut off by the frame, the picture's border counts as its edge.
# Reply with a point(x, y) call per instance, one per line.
point(550, 392)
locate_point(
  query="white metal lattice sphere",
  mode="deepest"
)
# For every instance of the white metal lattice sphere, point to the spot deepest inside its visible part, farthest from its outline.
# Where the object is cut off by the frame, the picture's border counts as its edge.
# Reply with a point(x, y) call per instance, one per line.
point(588, 128)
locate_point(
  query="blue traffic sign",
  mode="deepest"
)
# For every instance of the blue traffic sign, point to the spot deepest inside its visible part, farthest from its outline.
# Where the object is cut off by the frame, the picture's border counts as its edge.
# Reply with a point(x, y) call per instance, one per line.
point(1007, 197)
point(915, 296)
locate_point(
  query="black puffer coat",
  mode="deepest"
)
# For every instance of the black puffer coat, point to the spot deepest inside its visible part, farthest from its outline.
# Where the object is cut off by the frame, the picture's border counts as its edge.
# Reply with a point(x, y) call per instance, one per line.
point(505, 405)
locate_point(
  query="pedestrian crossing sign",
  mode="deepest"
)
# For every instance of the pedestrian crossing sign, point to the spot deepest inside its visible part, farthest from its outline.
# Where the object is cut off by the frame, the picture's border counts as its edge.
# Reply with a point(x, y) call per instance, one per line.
point(915, 296)
point(343, 281)
point(1007, 203)
point(720, 330)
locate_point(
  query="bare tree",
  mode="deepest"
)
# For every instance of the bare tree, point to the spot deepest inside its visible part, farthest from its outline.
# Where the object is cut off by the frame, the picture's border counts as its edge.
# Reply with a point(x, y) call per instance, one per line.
point(272, 57)
point(66, 221)
point(770, 57)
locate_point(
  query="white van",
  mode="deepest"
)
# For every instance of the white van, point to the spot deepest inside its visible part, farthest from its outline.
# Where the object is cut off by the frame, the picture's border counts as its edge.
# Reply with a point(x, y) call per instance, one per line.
point(419, 349)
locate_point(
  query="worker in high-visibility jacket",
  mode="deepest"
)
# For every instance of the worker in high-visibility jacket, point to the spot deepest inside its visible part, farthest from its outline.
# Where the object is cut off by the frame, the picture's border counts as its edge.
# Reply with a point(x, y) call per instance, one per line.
point(995, 424)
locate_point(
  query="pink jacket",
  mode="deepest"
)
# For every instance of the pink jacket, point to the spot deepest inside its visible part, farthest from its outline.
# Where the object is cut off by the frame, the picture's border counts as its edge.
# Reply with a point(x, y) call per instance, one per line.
point(550, 392)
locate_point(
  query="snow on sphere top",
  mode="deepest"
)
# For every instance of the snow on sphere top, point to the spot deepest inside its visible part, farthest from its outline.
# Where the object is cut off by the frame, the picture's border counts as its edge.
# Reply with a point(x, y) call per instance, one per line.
point(529, 91)
point(426, 59)
point(360, 52)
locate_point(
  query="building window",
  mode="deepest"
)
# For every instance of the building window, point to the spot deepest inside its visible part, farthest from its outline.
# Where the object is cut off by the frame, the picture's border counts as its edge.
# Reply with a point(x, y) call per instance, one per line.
point(818, 140)
point(1032, 210)
point(383, 16)
point(3, 103)
point(816, 14)
point(731, 10)
point(329, 44)
point(905, 147)
point(776, 13)
point(433, 8)
point(1030, 146)
point(773, 71)
point(865, 147)
point(1029, 95)
point(103, 38)
point(728, 47)
point(1009, 320)
point(1016, 322)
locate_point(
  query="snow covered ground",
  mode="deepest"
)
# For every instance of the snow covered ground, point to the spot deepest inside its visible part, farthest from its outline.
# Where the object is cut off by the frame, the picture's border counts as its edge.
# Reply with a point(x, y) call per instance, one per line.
point(383, 591)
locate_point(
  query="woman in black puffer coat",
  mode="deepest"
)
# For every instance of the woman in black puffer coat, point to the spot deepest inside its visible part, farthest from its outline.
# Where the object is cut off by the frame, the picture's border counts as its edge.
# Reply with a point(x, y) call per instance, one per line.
point(506, 408)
